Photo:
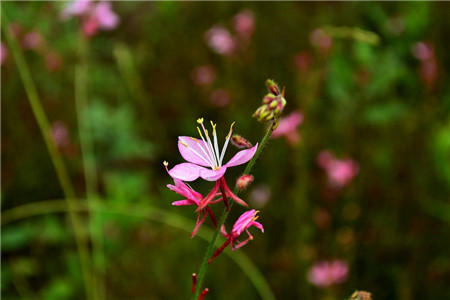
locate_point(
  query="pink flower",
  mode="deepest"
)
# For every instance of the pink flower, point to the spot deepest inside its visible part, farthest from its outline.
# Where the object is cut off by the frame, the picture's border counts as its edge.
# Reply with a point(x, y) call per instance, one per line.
point(205, 161)
point(322, 41)
point(288, 127)
point(245, 221)
point(60, 134)
point(424, 52)
point(32, 40)
point(192, 198)
point(3, 53)
point(94, 16)
point(220, 97)
point(303, 60)
point(76, 8)
point(340, 172)
point(204, 75)
point(325, 273)
point(220, 40)
point(244, 24)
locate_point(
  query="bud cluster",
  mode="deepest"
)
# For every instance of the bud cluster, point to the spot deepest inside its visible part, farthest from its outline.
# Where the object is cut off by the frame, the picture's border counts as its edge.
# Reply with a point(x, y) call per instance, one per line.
point(273, 103)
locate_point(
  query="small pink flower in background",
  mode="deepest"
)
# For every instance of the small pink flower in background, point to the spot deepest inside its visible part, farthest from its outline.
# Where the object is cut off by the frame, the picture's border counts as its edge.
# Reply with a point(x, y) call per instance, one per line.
point(60, 134)
point(303, 60)
point(245, 221)
point(288, 127)
point(3, 53)
point(340, 172)
point(205, 161)
point(244, 24)
point(322, 41)
point(424, 52)
point(53, 61)
point(94, 16)
point(220, 40)
point(15, 29)
point(32, 40)
point(204, 75)
point(76, 8)
point(220, 97)
point(260, 195)
point(325, 273)
point(192, 198)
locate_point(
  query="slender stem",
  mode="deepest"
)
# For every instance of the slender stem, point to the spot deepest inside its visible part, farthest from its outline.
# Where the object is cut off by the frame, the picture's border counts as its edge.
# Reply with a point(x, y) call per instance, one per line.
point(55, 156)
point(204, 265)
point(89, 166)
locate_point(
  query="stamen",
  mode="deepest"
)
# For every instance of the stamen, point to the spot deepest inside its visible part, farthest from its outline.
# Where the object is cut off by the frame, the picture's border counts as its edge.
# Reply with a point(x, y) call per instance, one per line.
point(165, 163)
point(200, 120)
point(209, 155)
point(216, 145)
point(211, 149)
point(183, 144)
point(194, 139)
point(226, 143)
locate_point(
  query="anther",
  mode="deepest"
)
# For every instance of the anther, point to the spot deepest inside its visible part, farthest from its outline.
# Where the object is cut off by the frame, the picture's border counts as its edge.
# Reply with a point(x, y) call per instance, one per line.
point(200, 120)
point(183, 144)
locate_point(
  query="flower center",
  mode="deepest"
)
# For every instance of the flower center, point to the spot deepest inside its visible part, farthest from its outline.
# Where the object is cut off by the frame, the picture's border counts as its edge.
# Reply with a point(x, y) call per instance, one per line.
point(210, 149)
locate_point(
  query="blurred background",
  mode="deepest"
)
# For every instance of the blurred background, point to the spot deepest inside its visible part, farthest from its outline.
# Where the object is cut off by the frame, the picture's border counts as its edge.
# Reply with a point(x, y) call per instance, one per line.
point(353, 188)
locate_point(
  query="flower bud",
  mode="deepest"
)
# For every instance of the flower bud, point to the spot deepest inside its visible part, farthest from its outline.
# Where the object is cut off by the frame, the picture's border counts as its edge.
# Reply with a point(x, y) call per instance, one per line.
point(273, 103)
point(361, 295)
point(240, 142)
point(244, 181)
point(273, 87)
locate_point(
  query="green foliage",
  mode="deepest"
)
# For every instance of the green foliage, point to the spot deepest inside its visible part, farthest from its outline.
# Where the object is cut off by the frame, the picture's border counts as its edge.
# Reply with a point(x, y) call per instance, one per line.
point(363, 93)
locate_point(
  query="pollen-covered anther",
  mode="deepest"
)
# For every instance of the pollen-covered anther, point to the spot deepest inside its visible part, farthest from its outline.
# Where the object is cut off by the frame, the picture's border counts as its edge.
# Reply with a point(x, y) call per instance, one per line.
point(165, 163)
point(244, 181)
point(200, 120)
point(240, 142)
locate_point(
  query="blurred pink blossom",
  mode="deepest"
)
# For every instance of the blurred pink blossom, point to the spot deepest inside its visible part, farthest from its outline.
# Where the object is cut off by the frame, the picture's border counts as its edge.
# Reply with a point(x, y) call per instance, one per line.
point(244, 24)
point(288, 127)
point(340, 172)
point(220, 97)
point(15, 29)
point(94, 16)
point(3, 53)
point(32, 40)
point(60, 134)
point(204, 75)
point(325, 273)
point(220, 40)
point(424, 52)
point(303, 60)
point(322, 41)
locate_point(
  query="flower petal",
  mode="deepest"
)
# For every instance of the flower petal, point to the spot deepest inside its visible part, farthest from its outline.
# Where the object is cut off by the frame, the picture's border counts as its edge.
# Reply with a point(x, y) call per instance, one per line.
point(183, 202)
point(212, 175)
point(191, 150)
point(242, 157)
point(258, 225)
point(186, 171)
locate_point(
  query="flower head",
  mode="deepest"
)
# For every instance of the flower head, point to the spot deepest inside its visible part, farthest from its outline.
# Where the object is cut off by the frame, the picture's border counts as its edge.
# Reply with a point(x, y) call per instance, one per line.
point(204, 158)
point(325, 273)
point(220, 40)
point(94, 16)
point(340, 172)
point(273, 103)
point(245, 221)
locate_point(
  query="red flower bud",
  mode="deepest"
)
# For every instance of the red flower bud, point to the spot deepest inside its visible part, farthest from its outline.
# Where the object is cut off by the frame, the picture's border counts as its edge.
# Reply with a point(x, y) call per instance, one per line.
point(244, 181)
point(240, 142)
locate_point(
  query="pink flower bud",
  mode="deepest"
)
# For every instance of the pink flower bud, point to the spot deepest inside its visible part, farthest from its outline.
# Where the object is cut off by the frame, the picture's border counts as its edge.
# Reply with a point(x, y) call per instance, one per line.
point(240, 142)
point(273, 87)
point(244, 181)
